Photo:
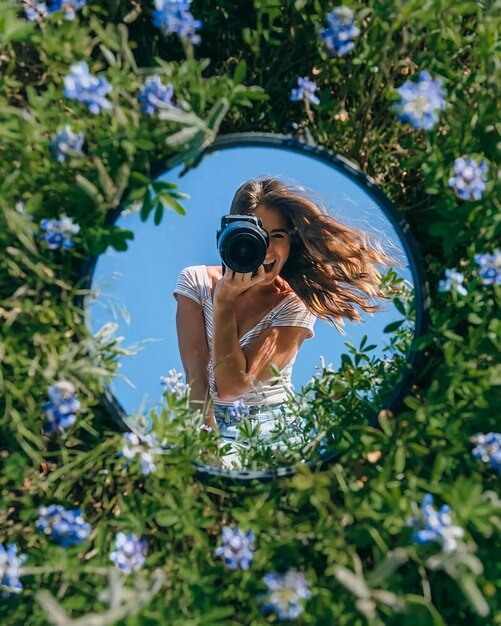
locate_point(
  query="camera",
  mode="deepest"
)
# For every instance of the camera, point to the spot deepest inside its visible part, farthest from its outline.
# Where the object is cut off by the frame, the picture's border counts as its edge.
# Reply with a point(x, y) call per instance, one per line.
point(242, 242)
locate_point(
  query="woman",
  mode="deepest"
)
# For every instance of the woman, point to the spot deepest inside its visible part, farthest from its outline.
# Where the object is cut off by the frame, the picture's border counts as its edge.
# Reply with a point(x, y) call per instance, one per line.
point(239, 334)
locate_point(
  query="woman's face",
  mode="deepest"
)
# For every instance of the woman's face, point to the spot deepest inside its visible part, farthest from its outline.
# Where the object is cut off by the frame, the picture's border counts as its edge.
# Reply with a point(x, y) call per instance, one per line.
point(278, 249)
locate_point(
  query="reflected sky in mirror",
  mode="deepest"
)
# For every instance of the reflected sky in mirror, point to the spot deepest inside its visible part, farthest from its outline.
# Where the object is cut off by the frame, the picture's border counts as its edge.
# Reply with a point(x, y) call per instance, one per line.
point(135, 287)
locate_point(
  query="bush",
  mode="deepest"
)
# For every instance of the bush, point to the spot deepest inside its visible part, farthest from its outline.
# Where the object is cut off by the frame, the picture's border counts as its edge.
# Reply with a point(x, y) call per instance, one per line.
point(358, 541)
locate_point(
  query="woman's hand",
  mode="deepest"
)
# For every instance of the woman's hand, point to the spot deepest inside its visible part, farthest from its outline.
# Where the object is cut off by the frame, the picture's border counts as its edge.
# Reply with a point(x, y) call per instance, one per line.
point(233, 284)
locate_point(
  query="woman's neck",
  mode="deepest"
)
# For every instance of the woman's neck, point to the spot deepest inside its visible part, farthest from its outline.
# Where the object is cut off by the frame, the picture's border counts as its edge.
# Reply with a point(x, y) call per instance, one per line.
point(279, 285)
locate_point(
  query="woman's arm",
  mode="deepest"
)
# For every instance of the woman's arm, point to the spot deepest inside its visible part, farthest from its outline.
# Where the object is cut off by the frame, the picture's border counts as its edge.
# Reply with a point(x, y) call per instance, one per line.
point(236, 370)
point(194, 355)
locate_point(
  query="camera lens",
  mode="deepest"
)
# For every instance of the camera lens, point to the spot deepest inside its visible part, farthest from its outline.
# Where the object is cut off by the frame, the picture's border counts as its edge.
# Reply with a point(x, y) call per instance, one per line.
point(242, 246)
point(243, 251)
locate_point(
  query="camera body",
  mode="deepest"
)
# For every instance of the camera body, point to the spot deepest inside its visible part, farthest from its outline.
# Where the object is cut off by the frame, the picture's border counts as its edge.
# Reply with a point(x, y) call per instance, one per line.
point(242, 242)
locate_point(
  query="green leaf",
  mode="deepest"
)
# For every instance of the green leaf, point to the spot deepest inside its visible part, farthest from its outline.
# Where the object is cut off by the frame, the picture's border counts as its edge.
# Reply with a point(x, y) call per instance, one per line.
point(385, 423)
point(400, 458)
point(108, 55)
point(399, 305)
point(474, 595)
point(420, 602)
point(182, 137)
point(412, 402)
point(140, 178)
point(166, 518)
point(182, 117)
point(218, 113)
point(14, 29)
point(355, 584)
point(136, 194)
point(390, 328)
point(159, 184)
point(170, 202)
point(159, 211)
point(145, 144)
point(147, 206)
point(89, 188)
point(475, 319)
point(240, 72)
point(383, 570)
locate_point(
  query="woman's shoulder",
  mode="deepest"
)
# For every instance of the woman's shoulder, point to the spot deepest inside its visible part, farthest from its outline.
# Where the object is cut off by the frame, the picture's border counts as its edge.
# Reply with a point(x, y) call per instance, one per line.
point(214, 273)
point(203, 275)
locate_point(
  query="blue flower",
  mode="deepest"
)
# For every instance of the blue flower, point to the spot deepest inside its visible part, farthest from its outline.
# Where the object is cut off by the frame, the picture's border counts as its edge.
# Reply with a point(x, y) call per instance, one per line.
point(155, 95)
point(286, 594)
point(238, 411)
point(130, 552)
point(66, 143)
point(433, 525)
point(341, 31)
point(80, 85)
point(10, 562)
point(61, 408)
point(68, 6)
point(454, 280)
point(488, 449)
point(236, 550)
point(174, 384)
point(67, 528)
point(34, 10)
point(173, 16)
point(145, 448)
point(469, 178)
point(489, 267)
point(58, 232)
point(305, 91)
point(420, 102)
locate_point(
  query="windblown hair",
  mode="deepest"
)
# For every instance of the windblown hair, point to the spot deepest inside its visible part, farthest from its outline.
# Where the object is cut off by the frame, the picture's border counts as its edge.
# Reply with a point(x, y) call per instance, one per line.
point(331, 266)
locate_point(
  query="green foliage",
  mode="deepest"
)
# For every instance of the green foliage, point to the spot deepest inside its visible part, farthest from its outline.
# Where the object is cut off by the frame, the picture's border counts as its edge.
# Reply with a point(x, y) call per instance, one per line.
point(343, 524)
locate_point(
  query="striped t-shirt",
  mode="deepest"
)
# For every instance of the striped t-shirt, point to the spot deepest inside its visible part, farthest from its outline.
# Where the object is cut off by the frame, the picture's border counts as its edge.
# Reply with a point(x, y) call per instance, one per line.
point(194, 282)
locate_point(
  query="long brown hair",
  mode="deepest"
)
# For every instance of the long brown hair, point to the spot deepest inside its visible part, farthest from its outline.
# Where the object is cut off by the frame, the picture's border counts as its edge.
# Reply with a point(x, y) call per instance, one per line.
point(331, 266)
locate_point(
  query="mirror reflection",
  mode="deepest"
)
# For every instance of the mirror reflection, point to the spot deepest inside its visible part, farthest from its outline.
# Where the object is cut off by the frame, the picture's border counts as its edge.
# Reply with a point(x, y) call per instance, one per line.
point(282, 267)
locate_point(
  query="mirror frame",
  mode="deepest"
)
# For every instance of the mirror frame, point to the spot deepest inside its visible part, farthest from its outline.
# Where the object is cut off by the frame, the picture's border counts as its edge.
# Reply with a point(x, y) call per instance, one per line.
point(399, 223)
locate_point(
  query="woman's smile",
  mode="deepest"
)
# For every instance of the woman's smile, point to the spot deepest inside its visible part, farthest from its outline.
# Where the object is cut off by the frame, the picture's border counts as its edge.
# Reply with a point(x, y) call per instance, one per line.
point(279, 246)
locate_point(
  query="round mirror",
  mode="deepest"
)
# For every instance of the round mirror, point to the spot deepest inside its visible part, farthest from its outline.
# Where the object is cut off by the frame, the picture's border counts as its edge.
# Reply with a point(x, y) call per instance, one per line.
point(362, 366)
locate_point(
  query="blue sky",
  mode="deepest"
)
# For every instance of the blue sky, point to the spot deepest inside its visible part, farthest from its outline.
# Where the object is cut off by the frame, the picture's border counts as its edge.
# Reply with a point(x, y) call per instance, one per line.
point(136, 286)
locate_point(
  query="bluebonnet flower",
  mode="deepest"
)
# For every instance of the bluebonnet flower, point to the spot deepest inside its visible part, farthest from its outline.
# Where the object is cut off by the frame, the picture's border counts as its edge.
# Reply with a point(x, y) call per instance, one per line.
point(80, 85)
point(433, 525)
point(286, 594)
point(174, 384)
point(145, 448)
point(340, 32)
point(66, 143)
point(173, 16)
point(130, 552)
point(67, 6)
point(58, 232)
point(65, 527)
point(34, 10)
point(10, 561)
point(452, 279)
point(61, 408)
point(155, 95)
point(238, 411)
point(305, 91)
point(469, 178)
point(420, 102)
point(488, 449)
point(489, 267)
point(236, 550)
